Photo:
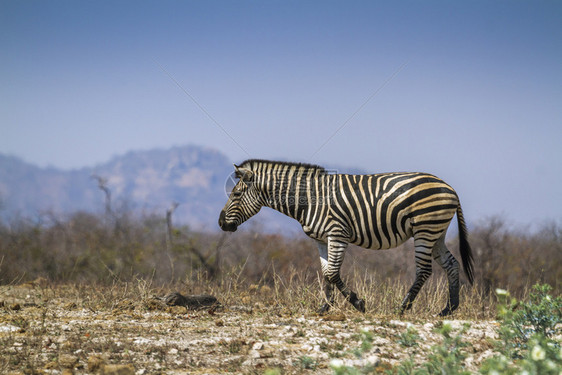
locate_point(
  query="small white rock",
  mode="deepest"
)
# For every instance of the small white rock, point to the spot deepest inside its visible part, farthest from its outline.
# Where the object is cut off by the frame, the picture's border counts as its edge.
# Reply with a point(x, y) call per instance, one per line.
point(9, 328)
point(343, 335)
point(336, 363)
point(373, 359)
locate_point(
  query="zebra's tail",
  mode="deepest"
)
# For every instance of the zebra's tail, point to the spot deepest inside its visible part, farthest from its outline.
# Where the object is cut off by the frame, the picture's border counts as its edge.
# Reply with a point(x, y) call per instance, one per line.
point(465, 250)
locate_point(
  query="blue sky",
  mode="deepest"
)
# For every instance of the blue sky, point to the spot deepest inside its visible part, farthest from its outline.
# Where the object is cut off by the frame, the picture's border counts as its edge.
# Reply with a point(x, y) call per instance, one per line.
point(470, 91)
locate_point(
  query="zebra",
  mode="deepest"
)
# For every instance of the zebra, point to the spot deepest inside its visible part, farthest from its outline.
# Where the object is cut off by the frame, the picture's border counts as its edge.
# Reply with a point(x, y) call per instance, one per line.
point(378, 211)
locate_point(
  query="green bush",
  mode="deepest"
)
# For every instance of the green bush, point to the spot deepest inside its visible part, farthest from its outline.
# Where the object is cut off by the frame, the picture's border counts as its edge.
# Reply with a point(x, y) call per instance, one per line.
point(529, 334)
point(520, 321)
point(543, 357)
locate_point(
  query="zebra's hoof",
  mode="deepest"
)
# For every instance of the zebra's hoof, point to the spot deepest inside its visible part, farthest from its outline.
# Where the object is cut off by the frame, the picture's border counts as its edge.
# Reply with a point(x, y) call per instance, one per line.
point(324, 309)
point(448, 310)
point(405, 307)
point(359, 305)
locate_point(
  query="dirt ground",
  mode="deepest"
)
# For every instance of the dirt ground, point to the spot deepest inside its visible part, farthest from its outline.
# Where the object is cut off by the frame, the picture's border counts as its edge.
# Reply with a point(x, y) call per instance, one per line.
point(53, 331)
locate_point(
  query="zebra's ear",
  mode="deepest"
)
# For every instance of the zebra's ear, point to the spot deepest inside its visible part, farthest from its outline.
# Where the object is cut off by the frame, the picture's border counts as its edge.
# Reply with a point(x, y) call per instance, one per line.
point(244, 174)
point(237, 171)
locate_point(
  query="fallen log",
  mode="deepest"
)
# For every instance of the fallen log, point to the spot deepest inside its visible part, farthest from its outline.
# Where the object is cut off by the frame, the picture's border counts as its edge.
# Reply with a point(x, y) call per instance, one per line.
point(193, 302)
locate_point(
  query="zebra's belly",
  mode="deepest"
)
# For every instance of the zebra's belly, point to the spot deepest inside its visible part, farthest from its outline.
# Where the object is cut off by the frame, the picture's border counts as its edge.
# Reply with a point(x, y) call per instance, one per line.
point(382, 240)
point(373, 239)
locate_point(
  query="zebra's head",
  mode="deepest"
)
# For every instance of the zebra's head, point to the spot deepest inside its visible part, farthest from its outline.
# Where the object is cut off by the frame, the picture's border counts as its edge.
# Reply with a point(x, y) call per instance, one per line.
point(243, 203)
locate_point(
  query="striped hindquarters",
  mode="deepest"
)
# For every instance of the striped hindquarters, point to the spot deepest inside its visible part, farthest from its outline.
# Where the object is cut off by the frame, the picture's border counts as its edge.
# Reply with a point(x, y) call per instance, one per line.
point(382, 211)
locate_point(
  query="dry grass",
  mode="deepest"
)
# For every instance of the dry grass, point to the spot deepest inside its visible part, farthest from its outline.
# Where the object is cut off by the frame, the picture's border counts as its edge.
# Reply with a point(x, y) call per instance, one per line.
point(89, 249)
point(53, 327)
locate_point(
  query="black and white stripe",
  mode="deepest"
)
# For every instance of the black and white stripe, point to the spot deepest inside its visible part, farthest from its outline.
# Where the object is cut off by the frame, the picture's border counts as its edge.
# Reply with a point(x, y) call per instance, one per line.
point(379, 211)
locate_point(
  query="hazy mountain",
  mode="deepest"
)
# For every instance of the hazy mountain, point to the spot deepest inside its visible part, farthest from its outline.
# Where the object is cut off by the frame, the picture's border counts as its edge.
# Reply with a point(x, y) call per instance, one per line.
point(148, 181)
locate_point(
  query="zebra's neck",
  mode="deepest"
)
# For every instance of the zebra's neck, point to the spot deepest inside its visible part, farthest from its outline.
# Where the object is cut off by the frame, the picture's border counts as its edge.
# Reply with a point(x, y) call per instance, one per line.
point(296, 190)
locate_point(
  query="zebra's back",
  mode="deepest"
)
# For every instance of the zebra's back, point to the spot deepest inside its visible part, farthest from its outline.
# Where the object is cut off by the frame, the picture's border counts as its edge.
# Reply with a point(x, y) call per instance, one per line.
point(382, 211)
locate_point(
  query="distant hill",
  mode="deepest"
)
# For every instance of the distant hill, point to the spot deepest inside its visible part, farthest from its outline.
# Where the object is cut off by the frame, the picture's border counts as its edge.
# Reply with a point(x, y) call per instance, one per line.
point(144, 181)
point(148, 181)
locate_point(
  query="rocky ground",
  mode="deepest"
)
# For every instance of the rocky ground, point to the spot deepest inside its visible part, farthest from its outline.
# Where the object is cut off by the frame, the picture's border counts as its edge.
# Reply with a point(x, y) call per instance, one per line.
point(50, 330)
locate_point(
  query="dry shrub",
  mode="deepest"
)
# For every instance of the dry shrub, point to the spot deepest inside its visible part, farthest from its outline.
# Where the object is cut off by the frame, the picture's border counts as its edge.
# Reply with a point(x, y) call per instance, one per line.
point(516, 259)
point(99, 249)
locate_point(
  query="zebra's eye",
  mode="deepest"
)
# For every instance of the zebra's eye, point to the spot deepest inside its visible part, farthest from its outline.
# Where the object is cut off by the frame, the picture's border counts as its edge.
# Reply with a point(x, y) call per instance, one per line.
point(237, 193)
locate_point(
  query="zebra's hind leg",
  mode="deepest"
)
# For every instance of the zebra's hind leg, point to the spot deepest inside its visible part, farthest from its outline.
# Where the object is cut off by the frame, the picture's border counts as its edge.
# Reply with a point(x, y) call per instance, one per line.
point(447, 261)
point(329, 292)
point(423, 271)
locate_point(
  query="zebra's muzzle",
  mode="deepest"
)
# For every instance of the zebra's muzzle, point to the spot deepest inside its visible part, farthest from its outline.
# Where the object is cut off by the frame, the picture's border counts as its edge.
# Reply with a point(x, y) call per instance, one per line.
point(226, 226)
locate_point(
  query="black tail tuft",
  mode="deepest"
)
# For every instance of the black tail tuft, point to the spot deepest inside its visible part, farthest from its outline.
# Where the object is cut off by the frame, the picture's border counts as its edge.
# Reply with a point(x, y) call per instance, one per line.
point(466, 251)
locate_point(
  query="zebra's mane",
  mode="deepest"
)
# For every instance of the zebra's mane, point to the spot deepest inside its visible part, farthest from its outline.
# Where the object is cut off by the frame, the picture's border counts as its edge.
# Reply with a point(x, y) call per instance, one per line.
point(252, 164)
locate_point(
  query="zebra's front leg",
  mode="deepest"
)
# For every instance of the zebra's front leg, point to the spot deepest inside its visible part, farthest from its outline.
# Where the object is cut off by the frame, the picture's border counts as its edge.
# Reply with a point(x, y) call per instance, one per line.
point(328, 286)
point(331, 264)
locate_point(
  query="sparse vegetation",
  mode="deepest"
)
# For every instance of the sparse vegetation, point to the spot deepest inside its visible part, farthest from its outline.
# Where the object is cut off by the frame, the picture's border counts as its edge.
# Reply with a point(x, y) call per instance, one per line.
point(409, 337)
point(50, 326)
point(89, 248)
point(78, 293)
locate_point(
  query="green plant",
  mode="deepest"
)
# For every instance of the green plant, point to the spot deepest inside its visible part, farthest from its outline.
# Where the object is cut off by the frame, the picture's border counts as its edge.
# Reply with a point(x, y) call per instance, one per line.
point(338, 366)
point(445, 358)
point(366, 343)
point(520, 321)
point(409, 337)
point(543, 357)
point(272, 371)
point(340, 369)
point(306, 363)
point(528, 335)
point(448, 357)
